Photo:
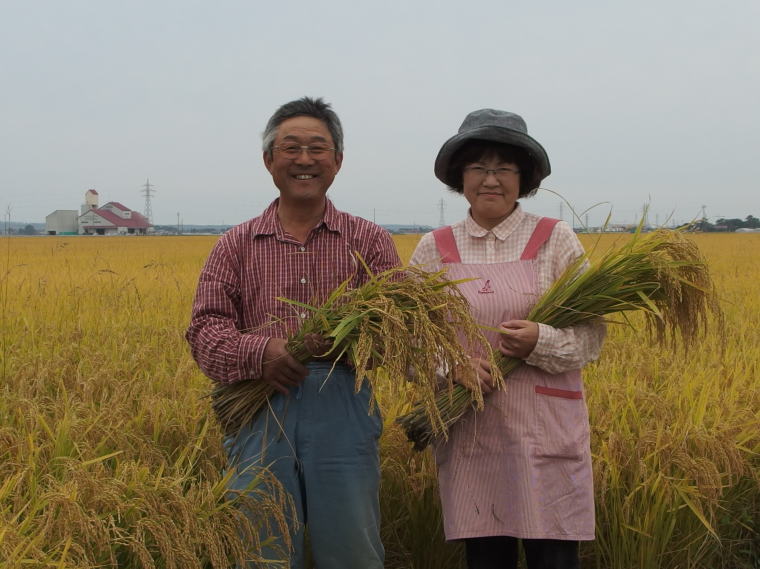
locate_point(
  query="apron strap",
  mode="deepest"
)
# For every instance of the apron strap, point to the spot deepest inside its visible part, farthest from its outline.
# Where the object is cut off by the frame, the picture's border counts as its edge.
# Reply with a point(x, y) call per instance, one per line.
point(447, 246)
point(540, 235)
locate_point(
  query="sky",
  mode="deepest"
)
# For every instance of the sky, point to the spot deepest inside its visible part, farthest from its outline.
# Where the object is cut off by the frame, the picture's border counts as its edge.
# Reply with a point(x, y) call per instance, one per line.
point(637, 103)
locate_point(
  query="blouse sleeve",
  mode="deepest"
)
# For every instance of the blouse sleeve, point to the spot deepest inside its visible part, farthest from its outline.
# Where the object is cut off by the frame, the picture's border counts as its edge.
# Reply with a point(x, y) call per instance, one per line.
point(426, 255)
point(564, 349)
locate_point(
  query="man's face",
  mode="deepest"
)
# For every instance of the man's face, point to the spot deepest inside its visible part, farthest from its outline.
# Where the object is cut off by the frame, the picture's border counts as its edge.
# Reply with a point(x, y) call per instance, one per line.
point(303, 177)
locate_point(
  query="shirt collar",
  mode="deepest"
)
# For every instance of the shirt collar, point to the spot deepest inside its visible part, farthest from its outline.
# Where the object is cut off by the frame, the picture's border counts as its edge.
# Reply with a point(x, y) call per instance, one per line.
point(331, 219)
point(269, 224)
point(501, 231)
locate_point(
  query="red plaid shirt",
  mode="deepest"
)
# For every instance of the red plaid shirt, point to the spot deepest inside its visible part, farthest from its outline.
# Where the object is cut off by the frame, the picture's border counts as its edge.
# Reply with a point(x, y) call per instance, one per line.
point(236, 309)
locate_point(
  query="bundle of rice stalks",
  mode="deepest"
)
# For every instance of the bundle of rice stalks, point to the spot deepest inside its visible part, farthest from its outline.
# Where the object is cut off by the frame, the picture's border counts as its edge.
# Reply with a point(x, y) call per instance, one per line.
point(404, 319)
point(661, 274)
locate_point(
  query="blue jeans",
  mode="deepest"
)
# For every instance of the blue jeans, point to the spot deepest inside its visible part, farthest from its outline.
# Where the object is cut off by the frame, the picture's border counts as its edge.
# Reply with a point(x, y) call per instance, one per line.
point(321, 444)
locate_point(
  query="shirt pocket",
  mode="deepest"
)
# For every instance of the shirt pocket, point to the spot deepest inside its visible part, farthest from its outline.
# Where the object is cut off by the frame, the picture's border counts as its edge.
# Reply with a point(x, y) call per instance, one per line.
point(562, 420)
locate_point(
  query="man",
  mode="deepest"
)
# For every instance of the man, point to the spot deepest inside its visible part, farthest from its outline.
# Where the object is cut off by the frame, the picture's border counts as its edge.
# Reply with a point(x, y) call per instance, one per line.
point(317, 436)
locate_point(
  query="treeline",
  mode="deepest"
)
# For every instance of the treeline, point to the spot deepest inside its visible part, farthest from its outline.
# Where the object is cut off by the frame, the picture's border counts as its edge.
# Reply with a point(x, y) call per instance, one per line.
point(723, 224)
point(28, 229)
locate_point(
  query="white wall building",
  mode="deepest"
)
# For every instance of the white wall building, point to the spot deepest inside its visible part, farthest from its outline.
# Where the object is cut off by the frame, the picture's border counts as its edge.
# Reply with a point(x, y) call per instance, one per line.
point(62, 222)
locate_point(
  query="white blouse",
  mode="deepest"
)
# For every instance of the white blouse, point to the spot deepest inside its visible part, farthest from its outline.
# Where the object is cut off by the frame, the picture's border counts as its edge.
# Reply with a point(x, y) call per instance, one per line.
point(557, 350)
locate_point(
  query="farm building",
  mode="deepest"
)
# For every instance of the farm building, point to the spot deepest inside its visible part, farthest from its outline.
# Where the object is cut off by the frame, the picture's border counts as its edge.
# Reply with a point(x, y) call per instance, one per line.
point(112, 218)
point(62, 222)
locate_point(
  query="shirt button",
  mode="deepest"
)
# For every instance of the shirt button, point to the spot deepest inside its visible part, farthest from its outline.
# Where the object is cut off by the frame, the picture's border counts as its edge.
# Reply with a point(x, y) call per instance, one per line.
point(302, 248)
point(303, 315)
point(303, 280)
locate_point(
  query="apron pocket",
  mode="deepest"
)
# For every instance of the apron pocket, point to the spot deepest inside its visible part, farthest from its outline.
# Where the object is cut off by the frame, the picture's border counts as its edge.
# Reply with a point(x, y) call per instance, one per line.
point(563, 393)
point(562, 423)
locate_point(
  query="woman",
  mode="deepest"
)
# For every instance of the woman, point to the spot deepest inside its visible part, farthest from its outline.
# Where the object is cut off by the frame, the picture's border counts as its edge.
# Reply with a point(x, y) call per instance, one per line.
point(520, 470)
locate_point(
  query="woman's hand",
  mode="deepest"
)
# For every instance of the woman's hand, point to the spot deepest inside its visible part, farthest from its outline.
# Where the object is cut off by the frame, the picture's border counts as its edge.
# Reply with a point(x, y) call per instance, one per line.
point(518, 338)
point(483, 373)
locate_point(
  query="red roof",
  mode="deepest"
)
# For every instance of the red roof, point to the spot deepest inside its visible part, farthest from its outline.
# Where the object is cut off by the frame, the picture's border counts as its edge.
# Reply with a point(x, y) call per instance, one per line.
point(91, 191)
point(137, 220)
point(117, 205)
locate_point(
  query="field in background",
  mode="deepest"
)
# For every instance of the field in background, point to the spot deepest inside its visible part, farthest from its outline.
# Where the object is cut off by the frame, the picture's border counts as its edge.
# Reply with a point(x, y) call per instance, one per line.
point(108, 454)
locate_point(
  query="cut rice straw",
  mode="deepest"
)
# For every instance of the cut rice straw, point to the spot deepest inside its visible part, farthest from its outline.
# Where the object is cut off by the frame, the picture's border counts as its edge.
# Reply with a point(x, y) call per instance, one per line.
point(406, 320)
point(661, 274)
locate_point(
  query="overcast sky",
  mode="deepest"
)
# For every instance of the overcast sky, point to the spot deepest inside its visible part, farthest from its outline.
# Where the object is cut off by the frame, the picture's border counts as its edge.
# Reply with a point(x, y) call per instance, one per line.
point(635, 102)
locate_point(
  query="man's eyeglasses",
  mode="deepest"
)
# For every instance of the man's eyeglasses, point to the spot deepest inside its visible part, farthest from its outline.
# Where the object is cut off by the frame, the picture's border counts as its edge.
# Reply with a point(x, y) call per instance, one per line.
point(293, 151)
point(482, 171)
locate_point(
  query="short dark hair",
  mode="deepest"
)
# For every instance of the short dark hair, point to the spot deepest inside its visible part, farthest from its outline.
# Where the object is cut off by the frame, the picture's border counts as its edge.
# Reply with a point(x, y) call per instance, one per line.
point(476, 150)
point(305, 106)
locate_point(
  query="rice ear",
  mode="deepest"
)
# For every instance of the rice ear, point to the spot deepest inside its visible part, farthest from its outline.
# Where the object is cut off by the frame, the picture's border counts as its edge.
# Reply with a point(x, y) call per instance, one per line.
point(403, 319)
point(662, 274)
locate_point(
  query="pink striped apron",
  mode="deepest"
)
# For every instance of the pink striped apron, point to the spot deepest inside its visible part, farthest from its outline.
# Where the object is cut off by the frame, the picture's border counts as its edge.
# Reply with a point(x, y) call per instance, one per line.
point(522, 466)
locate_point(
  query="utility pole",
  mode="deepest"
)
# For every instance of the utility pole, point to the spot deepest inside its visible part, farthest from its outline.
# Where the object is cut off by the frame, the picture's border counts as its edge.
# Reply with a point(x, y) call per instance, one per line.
point(7, 220)
point(148, 191)
point(441, 209)
point(178, 229)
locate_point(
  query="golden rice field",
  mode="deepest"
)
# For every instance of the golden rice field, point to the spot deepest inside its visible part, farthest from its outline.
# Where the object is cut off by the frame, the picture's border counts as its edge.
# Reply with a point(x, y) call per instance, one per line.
point(109, 456)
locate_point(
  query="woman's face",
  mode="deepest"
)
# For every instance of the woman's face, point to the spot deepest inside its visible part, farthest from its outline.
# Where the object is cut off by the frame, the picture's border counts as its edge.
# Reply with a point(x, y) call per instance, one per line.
point(492, 187)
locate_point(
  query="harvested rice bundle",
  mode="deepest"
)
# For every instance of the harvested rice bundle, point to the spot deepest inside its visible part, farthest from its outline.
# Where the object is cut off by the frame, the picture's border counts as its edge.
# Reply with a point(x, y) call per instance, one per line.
point(404, 319)
point(661, 274)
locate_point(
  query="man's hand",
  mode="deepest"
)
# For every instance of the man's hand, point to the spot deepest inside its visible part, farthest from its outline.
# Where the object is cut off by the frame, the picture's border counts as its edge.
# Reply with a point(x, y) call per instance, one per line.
point(316, 344)
point(519, 338)
point(280, 369)
point(483, 372)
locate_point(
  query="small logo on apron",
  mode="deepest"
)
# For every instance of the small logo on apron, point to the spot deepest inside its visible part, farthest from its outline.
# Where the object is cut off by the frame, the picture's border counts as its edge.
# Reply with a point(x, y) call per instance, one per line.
point(486, 288)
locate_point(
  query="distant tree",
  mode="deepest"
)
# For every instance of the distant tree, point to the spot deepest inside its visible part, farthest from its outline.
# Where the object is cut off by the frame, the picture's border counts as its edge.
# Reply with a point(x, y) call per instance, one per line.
point(752, 222)
point(730, 224)
point(28, 230)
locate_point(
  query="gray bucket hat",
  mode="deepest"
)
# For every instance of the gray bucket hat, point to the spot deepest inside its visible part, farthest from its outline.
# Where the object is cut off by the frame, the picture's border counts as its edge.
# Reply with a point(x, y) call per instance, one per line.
point(496, 126)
